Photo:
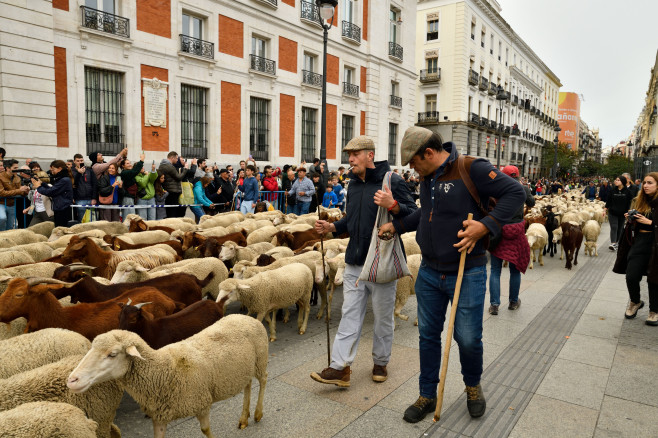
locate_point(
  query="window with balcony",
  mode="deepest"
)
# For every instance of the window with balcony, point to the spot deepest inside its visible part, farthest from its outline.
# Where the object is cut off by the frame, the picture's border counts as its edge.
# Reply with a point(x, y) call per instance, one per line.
point(433, 30)
point(309, 122)
point(478, 144)
point(259, 122)
point(258, 57)
point(349, 77)
point(469, 139)
point(394, 48)
point(473, 30)
point(191, 38)
point(483, 37)
point(350, 30)
point(491, 46)
point(347, 133)
point(432, 72)
point(101, 15)
point(500, 50)
point(194, 121)
point(104, 111)
point(392, 142)
point(396, 100)
point(310, 12)
point(309, 76)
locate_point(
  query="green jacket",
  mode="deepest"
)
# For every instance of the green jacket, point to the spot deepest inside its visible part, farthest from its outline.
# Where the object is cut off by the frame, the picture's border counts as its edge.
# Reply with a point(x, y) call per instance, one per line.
point(145, 181)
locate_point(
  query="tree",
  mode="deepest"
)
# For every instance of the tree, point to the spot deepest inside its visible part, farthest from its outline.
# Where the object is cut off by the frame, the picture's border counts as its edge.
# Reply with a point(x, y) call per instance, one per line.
point(566, 158)
point(589, 168)
point(617, 164)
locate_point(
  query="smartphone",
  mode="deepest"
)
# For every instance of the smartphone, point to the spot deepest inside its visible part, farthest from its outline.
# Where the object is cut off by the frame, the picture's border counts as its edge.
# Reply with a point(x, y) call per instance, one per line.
point(118, 178)
point(152, 162)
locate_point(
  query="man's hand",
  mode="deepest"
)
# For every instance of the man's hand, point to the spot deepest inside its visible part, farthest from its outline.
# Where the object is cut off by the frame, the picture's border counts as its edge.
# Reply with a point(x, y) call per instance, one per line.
point(194, 161)
point(384, 198)
point(26, 189)
point(302, 193)
point(36, 183)
point(324, 227)
point(386, 228)
point(142, 156)
point(93, 202)
point(219, 191)
point(124, 152)
point(474, 231)
point(153, 167)
point(80, 170)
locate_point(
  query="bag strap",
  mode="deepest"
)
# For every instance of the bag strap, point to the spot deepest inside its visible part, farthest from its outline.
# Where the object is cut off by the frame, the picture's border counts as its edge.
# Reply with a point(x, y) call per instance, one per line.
point(468, 182)
point(387, 180)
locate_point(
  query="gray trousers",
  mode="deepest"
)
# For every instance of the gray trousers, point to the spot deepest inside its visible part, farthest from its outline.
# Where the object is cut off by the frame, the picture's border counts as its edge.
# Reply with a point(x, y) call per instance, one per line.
point(355, 300)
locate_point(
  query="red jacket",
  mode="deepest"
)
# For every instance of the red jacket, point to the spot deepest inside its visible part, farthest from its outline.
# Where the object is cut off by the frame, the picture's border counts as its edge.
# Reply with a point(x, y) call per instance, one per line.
point(271, 185)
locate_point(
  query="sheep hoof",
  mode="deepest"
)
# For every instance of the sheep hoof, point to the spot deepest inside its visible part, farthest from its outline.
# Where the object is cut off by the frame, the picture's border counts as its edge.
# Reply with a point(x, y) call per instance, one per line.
point(319, 315)
point(541, 264)
point(301, 332)
point(272, 338)
point(243, 424)
point(404, 317)
point(258, 416)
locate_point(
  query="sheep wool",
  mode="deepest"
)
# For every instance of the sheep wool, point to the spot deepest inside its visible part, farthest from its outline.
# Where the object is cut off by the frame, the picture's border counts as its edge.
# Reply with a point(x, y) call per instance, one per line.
point(406, 286)
point(215, 364)
point(43, 228)
point(32, 350)
point(21, 237)
point(62, 241)
point(48, 383)
point(38, 251)
point(11, 257)
point(46, 420)
point(41, 269)
point(264, 234)
point(155, 236)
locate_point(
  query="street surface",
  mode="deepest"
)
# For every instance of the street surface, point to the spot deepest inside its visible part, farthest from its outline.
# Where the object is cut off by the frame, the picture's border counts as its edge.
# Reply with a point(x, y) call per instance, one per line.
point(565, 364)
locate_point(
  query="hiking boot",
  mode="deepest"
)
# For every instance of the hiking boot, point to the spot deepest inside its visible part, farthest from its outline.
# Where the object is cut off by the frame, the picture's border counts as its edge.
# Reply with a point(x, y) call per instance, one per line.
point(475, 401)
point(418, 410)
point(513, 305)
point(493, 310)
point(652, 319)
point(379, 373)
point(631, 311)
point(332, 376)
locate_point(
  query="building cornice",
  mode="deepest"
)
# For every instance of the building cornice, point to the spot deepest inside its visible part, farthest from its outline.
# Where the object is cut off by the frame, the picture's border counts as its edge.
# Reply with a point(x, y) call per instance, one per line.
point(516, 73)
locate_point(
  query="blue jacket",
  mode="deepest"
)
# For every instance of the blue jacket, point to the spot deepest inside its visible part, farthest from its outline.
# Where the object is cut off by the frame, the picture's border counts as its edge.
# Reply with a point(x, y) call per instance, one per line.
point(61, 192)
point(329, 199)
point(451, 205)
point(338, 190)
point(200, 195)
point(590, 191)
point(250, 189)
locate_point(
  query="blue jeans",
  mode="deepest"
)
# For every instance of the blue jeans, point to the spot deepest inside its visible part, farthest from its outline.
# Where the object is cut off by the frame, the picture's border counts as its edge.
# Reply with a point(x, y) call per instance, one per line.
point(247, 206)
point(80, 212)
point(126, 211)
point(146, 213)
point(494, 282)
point(434, 291)
point(7, 216)
point(301, 207)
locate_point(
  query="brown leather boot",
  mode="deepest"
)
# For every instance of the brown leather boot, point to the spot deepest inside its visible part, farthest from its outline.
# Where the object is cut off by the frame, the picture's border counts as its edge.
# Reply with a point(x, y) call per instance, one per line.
point(379, 373)
point(332, 376)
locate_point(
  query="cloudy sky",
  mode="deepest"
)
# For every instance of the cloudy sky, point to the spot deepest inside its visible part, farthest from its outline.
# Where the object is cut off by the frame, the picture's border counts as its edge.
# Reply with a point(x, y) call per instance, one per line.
point(602, 49)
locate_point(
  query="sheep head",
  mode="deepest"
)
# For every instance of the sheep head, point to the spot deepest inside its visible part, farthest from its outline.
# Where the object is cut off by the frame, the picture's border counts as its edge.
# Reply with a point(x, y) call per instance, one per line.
point(338, 279)
point(229, 290)
point(229, 251)
point(110, 358)
point(321, 270)
point(127, 271)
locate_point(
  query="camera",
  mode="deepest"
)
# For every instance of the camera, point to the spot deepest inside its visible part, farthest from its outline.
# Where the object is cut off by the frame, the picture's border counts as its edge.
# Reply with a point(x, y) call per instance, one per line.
point(632, 215)
point(26, 176)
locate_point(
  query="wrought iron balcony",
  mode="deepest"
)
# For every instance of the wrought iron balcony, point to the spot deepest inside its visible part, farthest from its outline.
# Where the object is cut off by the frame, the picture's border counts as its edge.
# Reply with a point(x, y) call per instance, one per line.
point(473, 77)
point(433, 35)
point(484, 121)
point(501, 127)
point(484, 84)
point(493, 124)
point(532, 109)
point(475, 119)
point(507, 130)
point(273, 3)
point(350, 89)
point(311, 78)
point(195, 46)
point(351, 32)
point(310, 13)
point(430, 75)
point(428, 117)
point(264, 65)
point(395, 50)
point(105, 22)
point(493, 88)
point(515, 100)
point(527, 104)
point(396, 101)
point(515, 131)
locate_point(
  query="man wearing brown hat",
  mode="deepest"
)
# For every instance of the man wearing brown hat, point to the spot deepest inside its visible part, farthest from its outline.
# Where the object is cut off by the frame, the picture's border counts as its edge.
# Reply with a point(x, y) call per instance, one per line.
point(445, 203)
point(364, 197)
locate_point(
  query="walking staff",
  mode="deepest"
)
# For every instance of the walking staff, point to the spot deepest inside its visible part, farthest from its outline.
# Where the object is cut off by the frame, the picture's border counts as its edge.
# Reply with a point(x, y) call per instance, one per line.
point(445, 199)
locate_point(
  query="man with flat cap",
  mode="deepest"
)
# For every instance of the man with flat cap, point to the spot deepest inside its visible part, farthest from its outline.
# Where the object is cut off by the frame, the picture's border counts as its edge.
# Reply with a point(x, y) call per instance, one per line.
point(364, 197)
point(445, 203)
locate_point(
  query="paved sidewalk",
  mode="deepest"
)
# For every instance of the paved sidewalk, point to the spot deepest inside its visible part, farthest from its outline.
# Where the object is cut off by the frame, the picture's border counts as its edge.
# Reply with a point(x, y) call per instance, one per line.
point(565, 364)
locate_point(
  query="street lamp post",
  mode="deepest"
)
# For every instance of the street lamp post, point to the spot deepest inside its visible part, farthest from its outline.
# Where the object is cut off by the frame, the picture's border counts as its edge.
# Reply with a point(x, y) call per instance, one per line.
point(326, 14)
point(501, 97)
point(557, 131)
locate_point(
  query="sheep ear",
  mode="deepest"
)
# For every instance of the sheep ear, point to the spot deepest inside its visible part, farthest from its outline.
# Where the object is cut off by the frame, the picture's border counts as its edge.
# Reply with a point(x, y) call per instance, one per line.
point(132, 351)
point(342, 247)
point(5, 279)
point(244, 286)
point(141, 269)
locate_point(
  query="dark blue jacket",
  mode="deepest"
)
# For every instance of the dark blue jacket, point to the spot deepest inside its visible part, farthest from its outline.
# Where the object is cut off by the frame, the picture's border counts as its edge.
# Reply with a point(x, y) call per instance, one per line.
point(61, 191)
point(590, 192)
point(362, 210)
point(250, 189)
point(452, 203)
point(604, 192)
point(86, 184)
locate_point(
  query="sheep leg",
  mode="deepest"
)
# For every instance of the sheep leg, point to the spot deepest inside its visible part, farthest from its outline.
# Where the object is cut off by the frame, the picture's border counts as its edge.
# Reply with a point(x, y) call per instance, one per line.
point(204, 422)
point(244, 418)
point(399, 304)
point(596, 250)
point(561, 249)
point(258, 414)
point(286, 315)
point(575, 258)
point(541, 258)
point(272, 324)
point(159, 429)
point(302, 319)
point(323, 299)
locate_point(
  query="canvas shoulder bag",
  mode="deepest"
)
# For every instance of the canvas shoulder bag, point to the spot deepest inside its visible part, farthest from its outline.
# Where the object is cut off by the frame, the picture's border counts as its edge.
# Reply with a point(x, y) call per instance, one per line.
point(385, 261)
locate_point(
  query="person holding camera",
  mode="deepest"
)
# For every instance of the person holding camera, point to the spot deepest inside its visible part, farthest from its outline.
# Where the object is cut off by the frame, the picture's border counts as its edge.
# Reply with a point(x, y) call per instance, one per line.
point(85, 185)
point(619, 201)
point(111, 184)
point(146, 192)
point(10, 186)
point(60, 191)
point(639, 248)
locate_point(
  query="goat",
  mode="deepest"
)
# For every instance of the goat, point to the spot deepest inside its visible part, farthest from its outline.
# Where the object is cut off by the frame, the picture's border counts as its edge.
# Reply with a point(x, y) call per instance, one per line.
point(119, 244)
point(572, 238)
point(297, 239)
point(27, 298)
point(158, 332)
point(551, 224)
point(198, 240)
point(139, 225)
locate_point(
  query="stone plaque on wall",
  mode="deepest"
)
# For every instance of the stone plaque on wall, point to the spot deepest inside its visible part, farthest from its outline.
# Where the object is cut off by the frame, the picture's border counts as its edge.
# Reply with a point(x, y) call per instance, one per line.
point(155, 102)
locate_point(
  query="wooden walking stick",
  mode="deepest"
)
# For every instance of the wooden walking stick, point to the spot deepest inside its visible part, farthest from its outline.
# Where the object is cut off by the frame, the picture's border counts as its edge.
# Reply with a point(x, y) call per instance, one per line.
point(325, 286)
point(451, 326)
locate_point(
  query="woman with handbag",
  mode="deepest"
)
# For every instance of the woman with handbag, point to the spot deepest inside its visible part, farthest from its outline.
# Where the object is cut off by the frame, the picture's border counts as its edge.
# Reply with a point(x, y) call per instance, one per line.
point(617, 205)
point(129, 172)
point(638, 249)
point(60, 192)
point(110, 190)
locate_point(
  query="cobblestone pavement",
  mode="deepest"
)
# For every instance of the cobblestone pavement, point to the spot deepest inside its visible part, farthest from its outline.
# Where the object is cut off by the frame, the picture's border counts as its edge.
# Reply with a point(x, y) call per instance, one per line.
point(565, 364)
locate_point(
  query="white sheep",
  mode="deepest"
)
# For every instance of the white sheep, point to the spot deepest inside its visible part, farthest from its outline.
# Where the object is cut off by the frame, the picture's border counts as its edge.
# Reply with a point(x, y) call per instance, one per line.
point(249, 225)
point(333, 263)
point(411, 247)
point(279, 252)
point(48, 383)
point(10, 257)
point(63, 241)
point(38, 251)
point(46, 420)
point(171, 222)
point(40, 269)
point(6, 242)
point(262, 247)
point(220, 220)
point(132, 271)
point(32, 350)
point(111, 228)
point(591, 231)
point(264, 234)
point(215, 364)
point(249, 269)
point(43, 228)
point(407, 286)
point(23, 236)
point(232, 253)
point(537, 238)
point(155, 236)
point(291, 228)
point(338, 244)
point(272, 290)
point(214, 231)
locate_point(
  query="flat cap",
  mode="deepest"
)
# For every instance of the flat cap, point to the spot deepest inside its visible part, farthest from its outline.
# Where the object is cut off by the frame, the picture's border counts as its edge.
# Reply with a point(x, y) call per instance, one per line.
point(360, 143)
point(414, 138)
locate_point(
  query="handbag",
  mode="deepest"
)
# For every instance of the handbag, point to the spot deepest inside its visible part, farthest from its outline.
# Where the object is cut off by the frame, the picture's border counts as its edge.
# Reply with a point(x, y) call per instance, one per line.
point(87, 216)
point(187, 194)
point(385, 261)
point(107, 200)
